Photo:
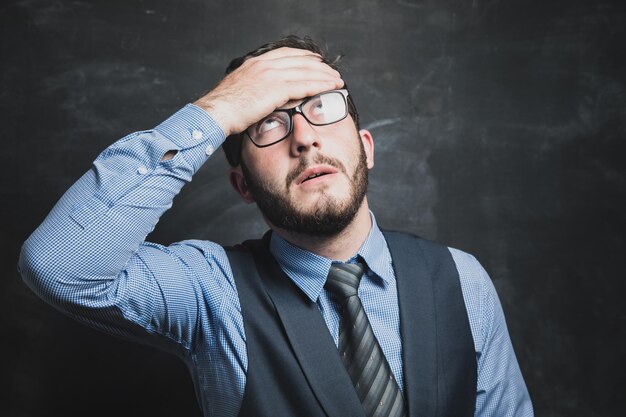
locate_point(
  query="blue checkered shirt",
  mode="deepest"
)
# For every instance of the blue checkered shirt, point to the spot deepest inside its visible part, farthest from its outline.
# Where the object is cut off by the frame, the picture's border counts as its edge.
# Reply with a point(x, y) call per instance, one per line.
point(89, 259)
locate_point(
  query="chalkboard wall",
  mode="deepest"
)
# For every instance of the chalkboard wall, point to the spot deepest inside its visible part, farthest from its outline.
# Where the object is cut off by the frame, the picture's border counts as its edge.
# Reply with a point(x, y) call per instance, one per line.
point(500, 129)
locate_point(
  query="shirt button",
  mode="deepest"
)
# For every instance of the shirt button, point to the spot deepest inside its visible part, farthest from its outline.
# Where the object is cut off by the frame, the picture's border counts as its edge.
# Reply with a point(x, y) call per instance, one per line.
point(196, 134)
point(142, 170)
point(209, 150)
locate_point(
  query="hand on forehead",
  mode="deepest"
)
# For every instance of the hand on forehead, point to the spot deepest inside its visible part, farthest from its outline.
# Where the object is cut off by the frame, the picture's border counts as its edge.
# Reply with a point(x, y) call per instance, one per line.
point(267, 82)
point(277, 56)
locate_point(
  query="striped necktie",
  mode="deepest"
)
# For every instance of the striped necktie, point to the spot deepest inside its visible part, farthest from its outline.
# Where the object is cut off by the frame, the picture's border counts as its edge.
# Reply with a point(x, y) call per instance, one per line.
point(361, 354)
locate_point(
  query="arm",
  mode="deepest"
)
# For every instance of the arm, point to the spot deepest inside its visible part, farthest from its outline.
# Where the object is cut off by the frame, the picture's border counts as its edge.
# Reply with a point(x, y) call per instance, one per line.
point(500, 391)
point(89, 259)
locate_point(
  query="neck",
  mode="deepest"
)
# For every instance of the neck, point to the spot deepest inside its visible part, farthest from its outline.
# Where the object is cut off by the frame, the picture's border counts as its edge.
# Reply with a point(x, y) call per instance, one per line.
point(341, 246)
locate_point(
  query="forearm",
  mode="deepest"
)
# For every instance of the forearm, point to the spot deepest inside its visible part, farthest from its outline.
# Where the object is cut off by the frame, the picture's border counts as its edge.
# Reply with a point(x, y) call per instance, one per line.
point(106, 214)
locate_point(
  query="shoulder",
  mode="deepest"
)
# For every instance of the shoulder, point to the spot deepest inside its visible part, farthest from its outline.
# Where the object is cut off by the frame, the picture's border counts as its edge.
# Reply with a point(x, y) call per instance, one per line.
point(408, 241)
point(474, 280)
point(471, 273)
point(470, 270)
point(435, 254)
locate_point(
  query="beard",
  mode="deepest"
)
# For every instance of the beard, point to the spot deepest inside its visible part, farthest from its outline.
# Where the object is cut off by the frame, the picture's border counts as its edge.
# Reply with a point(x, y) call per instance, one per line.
point(328, 217)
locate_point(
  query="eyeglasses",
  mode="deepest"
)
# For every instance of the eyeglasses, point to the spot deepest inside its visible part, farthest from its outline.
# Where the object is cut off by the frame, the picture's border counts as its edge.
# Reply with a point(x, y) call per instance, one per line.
point(320, 110)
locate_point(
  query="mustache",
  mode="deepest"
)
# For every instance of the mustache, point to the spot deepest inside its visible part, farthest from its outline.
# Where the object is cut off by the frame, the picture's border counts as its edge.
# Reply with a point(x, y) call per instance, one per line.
point(320, 159)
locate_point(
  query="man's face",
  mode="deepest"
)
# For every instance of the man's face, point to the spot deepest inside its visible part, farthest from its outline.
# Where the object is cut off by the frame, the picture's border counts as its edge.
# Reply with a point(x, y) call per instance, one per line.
point(314, 181)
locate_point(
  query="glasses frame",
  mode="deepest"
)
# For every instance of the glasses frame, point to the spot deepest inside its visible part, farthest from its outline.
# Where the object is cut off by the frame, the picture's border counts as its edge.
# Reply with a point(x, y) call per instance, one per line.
point(298, 110)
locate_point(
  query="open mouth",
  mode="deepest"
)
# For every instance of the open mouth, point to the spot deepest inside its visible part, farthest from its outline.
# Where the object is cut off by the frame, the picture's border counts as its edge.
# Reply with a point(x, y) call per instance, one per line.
point(315, 172)
point(310, 177)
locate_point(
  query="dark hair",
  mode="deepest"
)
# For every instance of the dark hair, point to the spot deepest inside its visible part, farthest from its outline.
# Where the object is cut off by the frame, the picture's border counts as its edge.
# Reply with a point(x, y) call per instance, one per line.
point(232, 145)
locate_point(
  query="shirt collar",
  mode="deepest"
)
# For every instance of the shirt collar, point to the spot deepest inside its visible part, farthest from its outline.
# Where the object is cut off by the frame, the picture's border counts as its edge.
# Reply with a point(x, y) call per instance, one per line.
point(309, 271)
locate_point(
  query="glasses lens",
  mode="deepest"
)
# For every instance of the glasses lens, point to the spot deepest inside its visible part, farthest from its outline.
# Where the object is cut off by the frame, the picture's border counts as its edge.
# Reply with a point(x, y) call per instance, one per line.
point(270, 129)
point(319, 110)
point(325, 108)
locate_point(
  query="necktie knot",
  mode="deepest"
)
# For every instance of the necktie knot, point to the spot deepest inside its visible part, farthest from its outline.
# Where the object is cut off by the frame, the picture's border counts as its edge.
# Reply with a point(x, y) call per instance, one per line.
point(344, 279)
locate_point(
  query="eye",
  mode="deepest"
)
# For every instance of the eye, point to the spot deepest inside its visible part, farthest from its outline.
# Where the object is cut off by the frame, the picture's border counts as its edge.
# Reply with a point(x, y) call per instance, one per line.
point(273, 121)
point(317, 106)
point(316, 110)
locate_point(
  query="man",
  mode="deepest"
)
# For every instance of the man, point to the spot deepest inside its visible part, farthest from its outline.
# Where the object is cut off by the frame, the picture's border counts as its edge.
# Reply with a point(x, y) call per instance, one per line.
point(274, 327)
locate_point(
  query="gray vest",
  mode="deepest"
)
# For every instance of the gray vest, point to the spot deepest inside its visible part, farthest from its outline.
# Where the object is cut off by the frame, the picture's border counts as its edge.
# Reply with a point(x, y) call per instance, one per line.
point(294, 368)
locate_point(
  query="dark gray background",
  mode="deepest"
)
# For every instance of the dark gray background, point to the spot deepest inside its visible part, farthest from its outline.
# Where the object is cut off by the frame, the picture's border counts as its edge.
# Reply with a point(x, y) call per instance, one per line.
point(499, 127)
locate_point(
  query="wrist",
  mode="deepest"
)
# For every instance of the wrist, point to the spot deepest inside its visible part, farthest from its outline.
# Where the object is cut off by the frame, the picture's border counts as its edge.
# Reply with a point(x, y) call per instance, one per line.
point(217, 113)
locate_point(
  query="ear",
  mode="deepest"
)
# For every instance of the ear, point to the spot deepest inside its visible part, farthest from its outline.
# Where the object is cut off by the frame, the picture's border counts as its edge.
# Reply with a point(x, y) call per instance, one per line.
point(368, 145)
point(238, 181)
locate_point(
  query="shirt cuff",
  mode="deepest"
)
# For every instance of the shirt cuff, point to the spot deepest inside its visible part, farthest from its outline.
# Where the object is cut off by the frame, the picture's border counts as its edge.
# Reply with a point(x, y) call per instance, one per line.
point(192, 130)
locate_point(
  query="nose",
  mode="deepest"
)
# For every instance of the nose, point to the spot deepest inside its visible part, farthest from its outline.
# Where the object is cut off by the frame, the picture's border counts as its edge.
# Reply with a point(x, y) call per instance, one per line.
point(303, 136)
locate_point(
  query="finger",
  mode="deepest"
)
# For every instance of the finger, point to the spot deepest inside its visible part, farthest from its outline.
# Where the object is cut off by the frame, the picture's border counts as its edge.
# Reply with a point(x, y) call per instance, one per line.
point(283, 56)
point(300, 89)
point(286, 63)
point(305, 63)
point(285, 51)
point(301, 71)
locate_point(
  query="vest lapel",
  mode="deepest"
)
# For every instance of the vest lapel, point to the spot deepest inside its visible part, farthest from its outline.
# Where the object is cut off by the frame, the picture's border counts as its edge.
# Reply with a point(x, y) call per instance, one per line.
point(417, 324)
point(310, 339)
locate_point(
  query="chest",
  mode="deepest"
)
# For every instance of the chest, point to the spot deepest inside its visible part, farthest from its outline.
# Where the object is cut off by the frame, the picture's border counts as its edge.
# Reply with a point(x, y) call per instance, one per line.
point(294, 366)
